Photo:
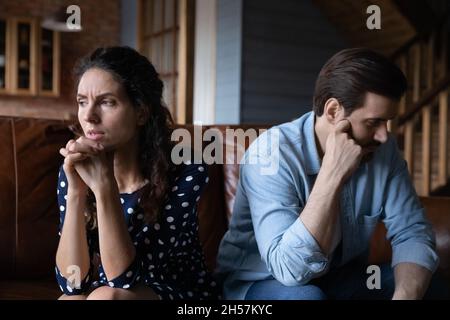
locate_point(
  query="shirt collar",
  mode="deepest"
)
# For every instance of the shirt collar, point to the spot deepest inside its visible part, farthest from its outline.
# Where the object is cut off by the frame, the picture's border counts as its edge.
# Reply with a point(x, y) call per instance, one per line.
point(313, 162)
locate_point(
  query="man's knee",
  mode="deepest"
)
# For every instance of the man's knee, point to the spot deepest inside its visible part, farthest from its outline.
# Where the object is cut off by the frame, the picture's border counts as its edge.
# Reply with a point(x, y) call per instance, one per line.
point(274, 290)
point(309, 292)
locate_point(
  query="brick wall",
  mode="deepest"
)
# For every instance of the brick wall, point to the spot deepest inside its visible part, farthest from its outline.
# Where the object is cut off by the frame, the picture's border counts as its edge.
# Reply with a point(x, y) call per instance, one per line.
point(100, 20)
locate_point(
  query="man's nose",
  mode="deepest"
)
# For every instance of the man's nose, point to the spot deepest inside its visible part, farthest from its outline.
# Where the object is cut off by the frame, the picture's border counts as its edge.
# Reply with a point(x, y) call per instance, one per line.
point(381, 134)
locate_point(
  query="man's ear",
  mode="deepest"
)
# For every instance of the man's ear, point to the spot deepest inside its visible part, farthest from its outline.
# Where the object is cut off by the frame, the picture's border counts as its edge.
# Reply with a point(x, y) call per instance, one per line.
point(142, 115)
point(333, 111)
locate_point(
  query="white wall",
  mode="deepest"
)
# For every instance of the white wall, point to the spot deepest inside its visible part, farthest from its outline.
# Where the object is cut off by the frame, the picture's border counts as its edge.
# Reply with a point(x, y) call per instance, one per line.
point(205, 62)
point(285, 44)
point(128, 23)
point(229, 61)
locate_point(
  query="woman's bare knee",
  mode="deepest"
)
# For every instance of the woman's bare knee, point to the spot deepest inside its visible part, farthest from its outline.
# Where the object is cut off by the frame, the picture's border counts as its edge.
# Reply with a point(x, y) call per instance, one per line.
point(74, 297)
point(140, 292)
point(103, 293)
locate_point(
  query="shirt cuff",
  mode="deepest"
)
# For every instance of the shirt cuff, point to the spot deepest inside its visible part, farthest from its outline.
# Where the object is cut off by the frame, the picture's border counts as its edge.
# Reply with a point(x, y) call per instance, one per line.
point(303, 252)
point(415, 252)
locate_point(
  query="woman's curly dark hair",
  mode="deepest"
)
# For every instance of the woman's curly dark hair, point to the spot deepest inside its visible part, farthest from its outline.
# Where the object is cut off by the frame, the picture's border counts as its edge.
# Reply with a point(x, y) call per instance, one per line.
point(144, 89)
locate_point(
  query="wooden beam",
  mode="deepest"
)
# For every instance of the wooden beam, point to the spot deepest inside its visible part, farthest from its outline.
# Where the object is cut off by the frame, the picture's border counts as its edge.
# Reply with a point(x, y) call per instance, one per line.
point(443, 137)
point(418, 13)
point(33, 56)
point(426, 151)
point(409, 146)
point(13, 52)
point(409, 128)
point(443, 114)
point(186, 40)
point(426, 121)
point(426, 99)
point(56, 62)
point(403, 66)
point(416, 72)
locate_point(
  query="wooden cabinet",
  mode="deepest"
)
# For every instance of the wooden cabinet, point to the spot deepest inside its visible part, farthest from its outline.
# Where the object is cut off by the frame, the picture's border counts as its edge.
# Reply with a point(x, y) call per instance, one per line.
point(31, 56)
point(4, 56)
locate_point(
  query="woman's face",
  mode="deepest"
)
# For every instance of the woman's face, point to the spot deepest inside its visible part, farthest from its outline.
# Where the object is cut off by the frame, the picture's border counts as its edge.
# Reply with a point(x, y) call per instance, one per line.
point(104, 110)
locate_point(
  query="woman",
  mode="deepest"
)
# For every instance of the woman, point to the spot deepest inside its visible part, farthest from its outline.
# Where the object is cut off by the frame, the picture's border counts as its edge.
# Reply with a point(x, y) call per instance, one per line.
point(128, 214)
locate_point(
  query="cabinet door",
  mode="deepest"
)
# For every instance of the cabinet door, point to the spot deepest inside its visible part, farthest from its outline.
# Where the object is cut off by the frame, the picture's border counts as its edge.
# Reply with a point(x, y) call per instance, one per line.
point(4, 57)
point(29, 58)
point(48, 62)
point(23, 49)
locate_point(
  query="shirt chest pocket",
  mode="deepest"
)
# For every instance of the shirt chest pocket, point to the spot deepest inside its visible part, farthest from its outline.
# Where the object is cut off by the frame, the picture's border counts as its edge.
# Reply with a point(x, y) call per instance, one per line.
point(366, 223)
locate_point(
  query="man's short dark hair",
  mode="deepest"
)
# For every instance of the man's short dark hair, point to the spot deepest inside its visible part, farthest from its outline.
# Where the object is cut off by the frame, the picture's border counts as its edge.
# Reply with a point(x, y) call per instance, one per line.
point(351, 73)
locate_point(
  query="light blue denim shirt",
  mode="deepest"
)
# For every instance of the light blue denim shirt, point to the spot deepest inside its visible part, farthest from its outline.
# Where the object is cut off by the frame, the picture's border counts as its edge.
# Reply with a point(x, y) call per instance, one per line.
point(267, 240)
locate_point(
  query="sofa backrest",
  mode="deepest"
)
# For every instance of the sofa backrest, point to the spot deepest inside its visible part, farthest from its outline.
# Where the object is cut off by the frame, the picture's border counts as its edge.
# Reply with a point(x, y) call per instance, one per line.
point(28, 211)
point(29, 215)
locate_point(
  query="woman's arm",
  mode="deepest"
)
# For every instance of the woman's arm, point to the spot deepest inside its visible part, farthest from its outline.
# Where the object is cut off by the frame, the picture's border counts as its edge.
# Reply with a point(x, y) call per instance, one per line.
point(73, 247)
point(73, 251)
point(97, 172)
point(114, 239)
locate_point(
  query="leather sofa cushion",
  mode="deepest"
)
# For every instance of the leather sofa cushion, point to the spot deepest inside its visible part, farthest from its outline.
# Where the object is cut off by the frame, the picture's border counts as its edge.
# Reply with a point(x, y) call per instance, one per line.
point(29, 215)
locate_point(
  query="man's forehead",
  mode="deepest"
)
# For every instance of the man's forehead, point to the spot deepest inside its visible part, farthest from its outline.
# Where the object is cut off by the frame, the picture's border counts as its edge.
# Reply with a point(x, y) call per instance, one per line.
point(379, 108)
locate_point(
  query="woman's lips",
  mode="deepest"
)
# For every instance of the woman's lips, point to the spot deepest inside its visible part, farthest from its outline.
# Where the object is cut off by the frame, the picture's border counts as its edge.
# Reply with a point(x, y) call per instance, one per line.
point(95, 135)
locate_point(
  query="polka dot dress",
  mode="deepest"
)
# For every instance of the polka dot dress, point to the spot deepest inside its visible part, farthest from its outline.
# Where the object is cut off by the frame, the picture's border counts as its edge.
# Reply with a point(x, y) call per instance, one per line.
point(169, 256)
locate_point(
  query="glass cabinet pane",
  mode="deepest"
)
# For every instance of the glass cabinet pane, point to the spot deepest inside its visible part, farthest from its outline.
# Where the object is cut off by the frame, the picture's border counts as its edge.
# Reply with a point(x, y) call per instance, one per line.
point(23, 49)
point(2, 54)
point(47, 59)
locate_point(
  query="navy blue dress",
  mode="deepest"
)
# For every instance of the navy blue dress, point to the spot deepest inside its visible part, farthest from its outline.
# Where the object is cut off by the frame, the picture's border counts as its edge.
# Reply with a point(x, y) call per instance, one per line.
point(169, 257)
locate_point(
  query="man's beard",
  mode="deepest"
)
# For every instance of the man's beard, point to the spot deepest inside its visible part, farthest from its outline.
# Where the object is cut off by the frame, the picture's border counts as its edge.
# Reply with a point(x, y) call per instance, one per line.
point(369, 156)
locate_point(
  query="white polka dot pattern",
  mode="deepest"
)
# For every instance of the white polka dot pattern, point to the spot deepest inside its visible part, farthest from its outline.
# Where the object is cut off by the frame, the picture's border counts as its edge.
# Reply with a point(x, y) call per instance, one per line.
point(170, 254)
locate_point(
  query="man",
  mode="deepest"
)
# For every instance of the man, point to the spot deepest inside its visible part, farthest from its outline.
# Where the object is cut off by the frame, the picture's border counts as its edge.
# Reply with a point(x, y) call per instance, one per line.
point(304, 232)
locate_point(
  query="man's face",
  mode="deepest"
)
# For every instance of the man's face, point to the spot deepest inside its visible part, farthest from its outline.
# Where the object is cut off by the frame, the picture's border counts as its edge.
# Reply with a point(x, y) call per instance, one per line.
point(369, 123)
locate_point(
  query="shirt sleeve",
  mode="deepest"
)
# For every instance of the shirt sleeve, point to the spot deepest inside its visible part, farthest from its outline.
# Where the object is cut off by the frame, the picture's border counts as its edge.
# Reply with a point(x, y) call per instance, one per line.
point(408, 230)
point(288, 249)
point(73, 285)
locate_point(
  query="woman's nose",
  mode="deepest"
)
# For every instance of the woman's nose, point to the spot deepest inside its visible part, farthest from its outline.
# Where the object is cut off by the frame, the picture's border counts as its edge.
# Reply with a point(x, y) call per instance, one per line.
point(90, 114)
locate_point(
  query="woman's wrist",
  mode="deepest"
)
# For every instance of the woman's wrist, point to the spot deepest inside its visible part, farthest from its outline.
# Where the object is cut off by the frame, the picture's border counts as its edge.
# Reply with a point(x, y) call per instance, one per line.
point(76, 193)
point(105, 187)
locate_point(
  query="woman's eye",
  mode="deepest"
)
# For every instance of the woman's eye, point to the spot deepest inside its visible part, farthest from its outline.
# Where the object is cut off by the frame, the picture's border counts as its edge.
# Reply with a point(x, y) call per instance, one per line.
point(81, 103)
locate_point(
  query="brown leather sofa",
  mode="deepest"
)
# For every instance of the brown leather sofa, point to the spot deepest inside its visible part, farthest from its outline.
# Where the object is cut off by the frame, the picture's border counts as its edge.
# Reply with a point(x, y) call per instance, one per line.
point(29, 164)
